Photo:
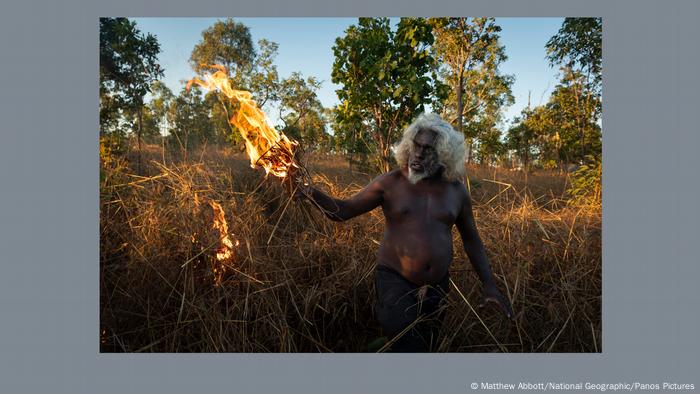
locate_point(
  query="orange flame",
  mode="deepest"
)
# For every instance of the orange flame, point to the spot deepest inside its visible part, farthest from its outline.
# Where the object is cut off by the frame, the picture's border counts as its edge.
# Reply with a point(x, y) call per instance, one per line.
point(266, 147)
point(224, 253)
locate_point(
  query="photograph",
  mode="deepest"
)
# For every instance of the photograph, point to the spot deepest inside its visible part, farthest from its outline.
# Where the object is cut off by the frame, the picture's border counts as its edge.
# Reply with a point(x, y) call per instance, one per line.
point(349, 196)
point(350, 185)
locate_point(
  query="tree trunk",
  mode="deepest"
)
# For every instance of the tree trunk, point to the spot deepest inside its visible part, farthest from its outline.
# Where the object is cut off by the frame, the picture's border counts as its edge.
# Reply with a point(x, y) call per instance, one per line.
point(384, 155)
point(469, 153)
point(583, 145)
point(138, 133)
point(577, 93)
point(459, 101)
point(526, 160)
point(351, 151)
point(460, 108)
point(384, 142)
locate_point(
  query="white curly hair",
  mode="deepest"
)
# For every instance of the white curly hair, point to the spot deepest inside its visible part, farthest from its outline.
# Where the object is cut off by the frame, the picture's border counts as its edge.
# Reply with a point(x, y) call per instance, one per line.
point(449, 145)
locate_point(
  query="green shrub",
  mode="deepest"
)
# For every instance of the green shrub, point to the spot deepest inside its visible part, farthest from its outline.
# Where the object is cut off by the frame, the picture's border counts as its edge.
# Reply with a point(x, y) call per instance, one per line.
point(586, 182)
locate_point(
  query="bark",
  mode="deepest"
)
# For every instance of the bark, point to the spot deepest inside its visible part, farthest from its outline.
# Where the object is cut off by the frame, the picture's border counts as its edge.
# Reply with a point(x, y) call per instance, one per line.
point(384, 155)
point(459, 100)
point(138, 134)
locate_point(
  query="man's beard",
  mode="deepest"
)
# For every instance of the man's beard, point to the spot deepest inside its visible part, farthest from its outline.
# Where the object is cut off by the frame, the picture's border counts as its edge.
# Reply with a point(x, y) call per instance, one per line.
point(415, 176)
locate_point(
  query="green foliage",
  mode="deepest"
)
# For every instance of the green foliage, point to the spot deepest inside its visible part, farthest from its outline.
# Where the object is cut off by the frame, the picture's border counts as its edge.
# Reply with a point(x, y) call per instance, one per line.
point(128, 67)
point(471, 54)
point(110, 146)
point(566, 129)
point(576, 105)
point(110, 115)
point(264, 82)
point(535, 137)
point(586, 182)
point(158, 116)
point(227, 43)
point(304, 118)
point(387, 77)
point(550, 165)
point(220, 111)
point(490, 146)
point(191, 123)
point(521, 139)
point(161, 101)
point(575, 109)
point(150, 125)
point(579, 45)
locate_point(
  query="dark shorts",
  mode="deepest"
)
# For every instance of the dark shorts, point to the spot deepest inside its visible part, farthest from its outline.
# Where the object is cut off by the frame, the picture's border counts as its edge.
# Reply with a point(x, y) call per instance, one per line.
point(400, 303)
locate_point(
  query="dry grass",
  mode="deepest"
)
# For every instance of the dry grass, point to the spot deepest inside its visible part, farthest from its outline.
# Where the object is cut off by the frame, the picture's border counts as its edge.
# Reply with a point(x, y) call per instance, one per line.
point(301, 283)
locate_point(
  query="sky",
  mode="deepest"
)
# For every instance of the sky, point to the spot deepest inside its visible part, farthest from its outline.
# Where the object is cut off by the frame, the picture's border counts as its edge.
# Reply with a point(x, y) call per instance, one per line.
point(305, 45)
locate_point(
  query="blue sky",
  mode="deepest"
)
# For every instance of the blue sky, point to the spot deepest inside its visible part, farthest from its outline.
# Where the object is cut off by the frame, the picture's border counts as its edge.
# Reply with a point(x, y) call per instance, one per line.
point(305, 45)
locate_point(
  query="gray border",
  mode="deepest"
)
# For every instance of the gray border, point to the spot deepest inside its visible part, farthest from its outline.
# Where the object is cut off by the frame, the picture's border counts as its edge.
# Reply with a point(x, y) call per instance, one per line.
point(49, 211)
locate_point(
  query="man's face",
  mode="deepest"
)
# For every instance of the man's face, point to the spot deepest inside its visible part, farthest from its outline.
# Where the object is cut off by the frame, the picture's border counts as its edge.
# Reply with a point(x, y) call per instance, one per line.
point(423, 160)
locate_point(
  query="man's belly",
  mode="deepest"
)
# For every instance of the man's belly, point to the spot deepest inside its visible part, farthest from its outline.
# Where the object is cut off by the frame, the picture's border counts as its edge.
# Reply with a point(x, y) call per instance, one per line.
point(422, 254)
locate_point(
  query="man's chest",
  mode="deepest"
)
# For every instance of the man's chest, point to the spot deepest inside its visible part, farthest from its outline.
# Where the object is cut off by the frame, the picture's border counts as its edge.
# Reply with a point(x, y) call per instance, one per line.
point(422, 205)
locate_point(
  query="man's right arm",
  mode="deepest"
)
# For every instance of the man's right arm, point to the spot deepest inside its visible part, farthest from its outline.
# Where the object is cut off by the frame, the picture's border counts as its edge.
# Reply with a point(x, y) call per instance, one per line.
point(370, 197)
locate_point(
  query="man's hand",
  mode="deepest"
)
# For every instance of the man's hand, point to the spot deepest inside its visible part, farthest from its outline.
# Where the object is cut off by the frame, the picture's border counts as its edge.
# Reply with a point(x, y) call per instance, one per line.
point(493, 296)
point(301, 189)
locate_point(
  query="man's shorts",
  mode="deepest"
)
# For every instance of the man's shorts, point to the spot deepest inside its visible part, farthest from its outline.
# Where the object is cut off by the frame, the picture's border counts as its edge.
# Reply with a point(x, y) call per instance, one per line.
point(400, 302)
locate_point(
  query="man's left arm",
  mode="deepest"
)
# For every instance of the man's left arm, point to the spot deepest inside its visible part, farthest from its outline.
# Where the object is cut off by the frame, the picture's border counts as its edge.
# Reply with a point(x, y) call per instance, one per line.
point(477, 254)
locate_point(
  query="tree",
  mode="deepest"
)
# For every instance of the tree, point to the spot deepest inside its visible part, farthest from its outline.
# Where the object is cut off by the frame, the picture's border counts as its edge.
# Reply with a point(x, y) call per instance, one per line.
point(577, 49)
point(542, 121)
point(575, 118)
point(220, 111)
point(265, 83)
point(386, 80)
point(350, 137)
point(128, 67)
point(304, 118)
point(150, 124)
point(471, 50)
point(490, 146)
point(578, 45)
point(191, 122)
point(522, 138)
point(159, 107)
point(551, 133)
point(227, 43)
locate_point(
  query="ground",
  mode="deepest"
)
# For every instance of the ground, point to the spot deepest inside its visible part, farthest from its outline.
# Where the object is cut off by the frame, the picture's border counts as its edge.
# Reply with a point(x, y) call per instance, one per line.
point(300, 283)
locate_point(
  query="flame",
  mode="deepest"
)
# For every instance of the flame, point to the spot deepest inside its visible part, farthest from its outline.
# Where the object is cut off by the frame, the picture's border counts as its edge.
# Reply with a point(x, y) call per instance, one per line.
point(224, 253)
point(266, 147)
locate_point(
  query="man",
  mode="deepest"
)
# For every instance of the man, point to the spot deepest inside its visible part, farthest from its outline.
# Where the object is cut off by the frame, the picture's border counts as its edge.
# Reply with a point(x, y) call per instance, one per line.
point(421, 202)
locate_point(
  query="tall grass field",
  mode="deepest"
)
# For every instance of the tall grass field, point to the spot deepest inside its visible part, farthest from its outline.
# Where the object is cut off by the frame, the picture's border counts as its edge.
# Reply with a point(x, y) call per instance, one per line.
point(297, 282)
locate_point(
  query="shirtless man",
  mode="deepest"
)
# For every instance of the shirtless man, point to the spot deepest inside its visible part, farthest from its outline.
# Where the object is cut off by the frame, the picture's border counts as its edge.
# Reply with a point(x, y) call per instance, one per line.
point(421, 202)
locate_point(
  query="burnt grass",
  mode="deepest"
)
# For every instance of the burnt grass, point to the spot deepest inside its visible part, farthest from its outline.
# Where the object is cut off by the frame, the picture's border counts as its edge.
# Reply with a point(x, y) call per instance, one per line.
point(300, 283)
